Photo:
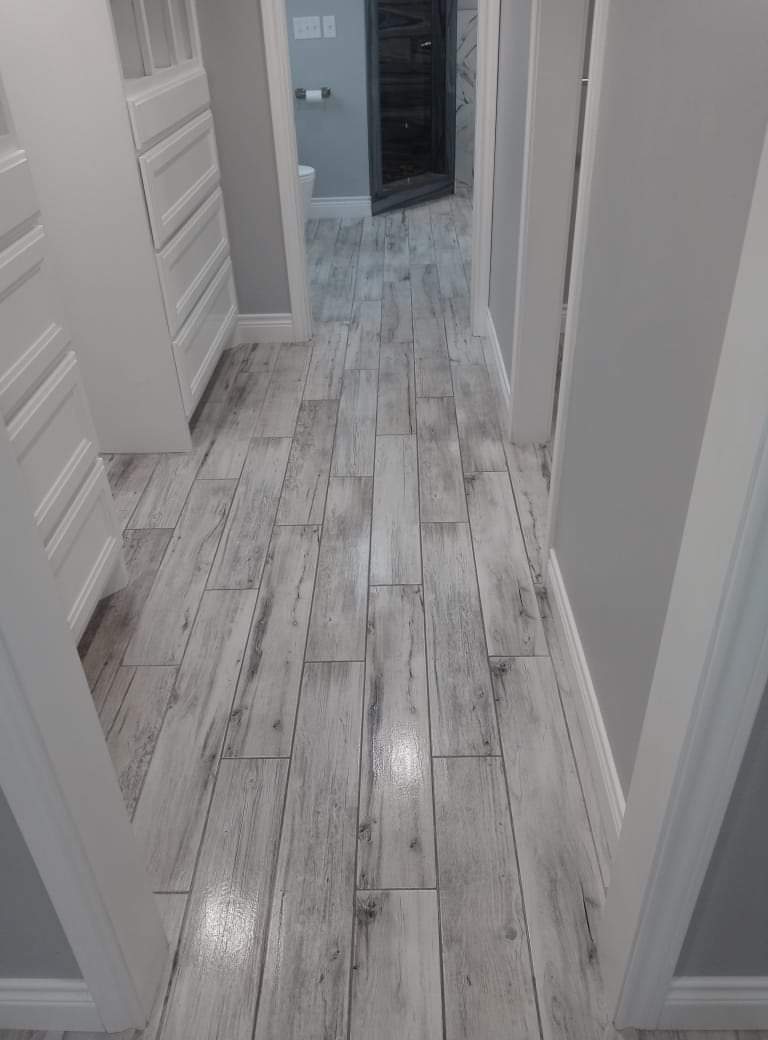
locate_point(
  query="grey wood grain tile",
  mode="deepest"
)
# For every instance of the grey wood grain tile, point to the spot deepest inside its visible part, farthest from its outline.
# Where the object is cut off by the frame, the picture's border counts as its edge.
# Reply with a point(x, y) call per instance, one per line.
point(479, 431)
point(370, 263)
point(510, 611)
point(396, 982)
point(261, 722)
point(461, 702)
point(326, 369)
point(116, 617)
point(453, 280)
point(420, 245)
point(163, 629)
point(558, 868)
point(320, 253)
point(441, 482)
point(277, 415)
point(174, 801)
point(433, 377)
point(429, 338)
point(112, 702)
point(364, 335)
point(337, 623)
point(529, 469)
point(355, 441)
point(396, 249)
point(396, 828)
point(214, 990)
point(225, 378)
point(310, 229)
point(396, 413)
point(128, 476)
point(463, 347)
point(489, 990)
point(425, 288)
point(243, 546)
point(338, 293)
point(396, 315)
point(261, 359)
point(309, 464)
point(462, 225)
point(443, 231)
point(133, 733)
point(395, 540)
point(312, 909)
point(347, 245)
point(226, 453)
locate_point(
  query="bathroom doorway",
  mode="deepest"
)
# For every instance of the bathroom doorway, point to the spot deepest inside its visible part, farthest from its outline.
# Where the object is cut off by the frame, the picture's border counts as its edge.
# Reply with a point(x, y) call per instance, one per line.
point(411, 73)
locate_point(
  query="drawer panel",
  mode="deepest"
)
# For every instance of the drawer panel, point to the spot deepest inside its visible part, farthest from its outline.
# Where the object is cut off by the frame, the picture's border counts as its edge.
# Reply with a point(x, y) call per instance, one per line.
point(199, 344)
point(178, 174)
point(190, 259)
point(85, 548)
point(17, 193)
point(156, 109)
point(54, 442)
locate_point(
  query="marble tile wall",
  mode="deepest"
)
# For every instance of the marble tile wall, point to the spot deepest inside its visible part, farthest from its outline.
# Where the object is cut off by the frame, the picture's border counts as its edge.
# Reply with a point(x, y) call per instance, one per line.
point(466, 71)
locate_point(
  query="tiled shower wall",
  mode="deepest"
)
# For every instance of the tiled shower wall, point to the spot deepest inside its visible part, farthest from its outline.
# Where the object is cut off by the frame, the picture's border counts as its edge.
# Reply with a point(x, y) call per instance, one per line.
point(466, 71)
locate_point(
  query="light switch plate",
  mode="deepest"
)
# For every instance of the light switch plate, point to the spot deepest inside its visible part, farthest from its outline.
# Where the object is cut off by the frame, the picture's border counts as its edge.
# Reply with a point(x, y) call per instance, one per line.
point(329, 25)
point(307, 28)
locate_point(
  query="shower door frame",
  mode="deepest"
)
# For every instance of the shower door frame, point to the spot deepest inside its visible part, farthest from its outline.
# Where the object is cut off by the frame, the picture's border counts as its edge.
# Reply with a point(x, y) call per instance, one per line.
point(427, 186)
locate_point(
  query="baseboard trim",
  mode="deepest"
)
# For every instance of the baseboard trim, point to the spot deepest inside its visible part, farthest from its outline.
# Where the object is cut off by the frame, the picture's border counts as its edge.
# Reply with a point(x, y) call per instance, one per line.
point(264, 328)
point(605, 774)
point(341, 206)
point(716, 1002)
point(48, 1004)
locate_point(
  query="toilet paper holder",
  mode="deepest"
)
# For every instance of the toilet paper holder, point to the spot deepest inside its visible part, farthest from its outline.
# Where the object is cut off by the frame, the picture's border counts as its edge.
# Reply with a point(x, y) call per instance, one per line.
point(300, 93)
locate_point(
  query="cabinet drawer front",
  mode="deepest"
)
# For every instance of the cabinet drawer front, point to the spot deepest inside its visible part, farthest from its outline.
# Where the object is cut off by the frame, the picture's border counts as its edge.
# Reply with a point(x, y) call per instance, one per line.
point(84, 548)
point(188, 262)
point(54, 443)
point(156, 109)
point(199, 344)
point(17, 194)
point(178, 174)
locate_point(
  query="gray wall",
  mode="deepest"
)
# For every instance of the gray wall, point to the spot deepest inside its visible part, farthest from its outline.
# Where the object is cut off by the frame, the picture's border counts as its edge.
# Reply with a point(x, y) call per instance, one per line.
point(333, 135)
point(32, 943)
point(728, 934)
point(683, 115)
point(233, 52)
point(508, 172)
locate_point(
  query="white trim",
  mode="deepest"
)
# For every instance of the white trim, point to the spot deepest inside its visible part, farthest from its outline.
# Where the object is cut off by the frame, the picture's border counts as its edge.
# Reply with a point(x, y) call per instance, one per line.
point(265, 328)
point(46, 1004)
point(711, 670)
point(495, 361)
point(601, 762)
point(722, 1002)
point(486, 87)
point(340, 206)
point(273, 18)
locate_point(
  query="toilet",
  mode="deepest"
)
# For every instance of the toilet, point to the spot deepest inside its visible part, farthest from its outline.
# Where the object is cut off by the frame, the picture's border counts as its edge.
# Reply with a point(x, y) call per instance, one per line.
point(307, 179)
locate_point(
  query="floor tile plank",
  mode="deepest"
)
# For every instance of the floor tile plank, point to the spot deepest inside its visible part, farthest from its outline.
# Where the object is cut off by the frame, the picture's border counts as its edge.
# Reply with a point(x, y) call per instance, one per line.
point(529, 469)
point(395, 541)
point(441, 482)
point(226, 453)
point(261, 723)
point(355, 441)
point(174, 802)
point(370, 264)
point(510, 611)
point(214, 990)
point(312, 909)
point(558, 868)
point(128, 476)
point(277, 415)
point(166, 620)
point(329, 347)
point(364, 335)
point(243, 546)
point(396, 981)
point(429, 339)
point(337, 622)
point(425, 289)
point(397, 843)
point(396, 413)
point(463, 347)
point(479, 431)
point(347, 245)
point(489, 990)
point(450, 270)
point(309, 464)
point(396, 249)
point(396, 315)
point(420, 245)
point(433, 377)
point(462, 713)
point(338, 293)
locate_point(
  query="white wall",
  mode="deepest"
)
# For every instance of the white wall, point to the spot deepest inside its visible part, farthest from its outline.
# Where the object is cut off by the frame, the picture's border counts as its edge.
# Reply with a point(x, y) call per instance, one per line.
point(682, 120)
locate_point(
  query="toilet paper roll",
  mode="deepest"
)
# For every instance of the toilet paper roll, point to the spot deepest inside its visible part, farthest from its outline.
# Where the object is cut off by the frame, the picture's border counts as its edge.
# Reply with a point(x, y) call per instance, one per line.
point(314, 96)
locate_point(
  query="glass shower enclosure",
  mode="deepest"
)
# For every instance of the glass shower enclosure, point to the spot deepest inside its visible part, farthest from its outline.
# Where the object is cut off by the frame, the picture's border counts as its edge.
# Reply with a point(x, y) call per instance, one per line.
point(411, 100)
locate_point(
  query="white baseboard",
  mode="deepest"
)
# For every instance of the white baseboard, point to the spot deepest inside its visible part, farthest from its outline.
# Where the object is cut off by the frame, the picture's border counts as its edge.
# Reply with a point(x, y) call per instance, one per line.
point(341, 206)
point(264, 328)
point(48, 1004)
point(496, 359)
point(603, 767)
point(716, 1002)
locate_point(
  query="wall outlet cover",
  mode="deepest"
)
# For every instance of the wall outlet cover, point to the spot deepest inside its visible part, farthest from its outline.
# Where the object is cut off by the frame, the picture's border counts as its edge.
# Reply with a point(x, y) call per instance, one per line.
point(307, 28)
point(329, 25)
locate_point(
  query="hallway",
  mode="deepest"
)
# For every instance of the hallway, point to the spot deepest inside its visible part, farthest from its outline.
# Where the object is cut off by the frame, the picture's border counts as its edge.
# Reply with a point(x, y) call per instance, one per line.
point(333, 691)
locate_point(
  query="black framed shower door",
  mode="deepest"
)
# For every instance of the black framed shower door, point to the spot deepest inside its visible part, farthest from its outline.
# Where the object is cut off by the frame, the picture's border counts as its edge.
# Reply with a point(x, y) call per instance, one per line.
point(411, 100)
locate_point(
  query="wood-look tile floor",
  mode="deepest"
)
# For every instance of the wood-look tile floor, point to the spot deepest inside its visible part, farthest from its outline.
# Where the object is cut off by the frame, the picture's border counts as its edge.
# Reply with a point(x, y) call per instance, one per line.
point(333, 691)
